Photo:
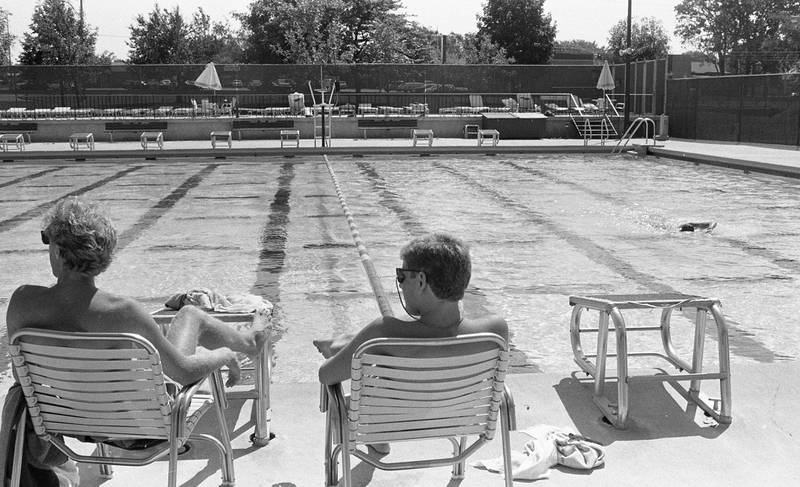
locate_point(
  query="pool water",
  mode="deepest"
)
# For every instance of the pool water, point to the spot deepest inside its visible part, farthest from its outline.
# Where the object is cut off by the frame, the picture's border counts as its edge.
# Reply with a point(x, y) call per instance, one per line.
point(541, 228)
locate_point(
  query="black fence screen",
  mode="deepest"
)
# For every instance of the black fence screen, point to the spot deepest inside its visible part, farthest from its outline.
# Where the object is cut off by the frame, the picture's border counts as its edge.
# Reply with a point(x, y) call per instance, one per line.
point(760, 108)
point(151, 86)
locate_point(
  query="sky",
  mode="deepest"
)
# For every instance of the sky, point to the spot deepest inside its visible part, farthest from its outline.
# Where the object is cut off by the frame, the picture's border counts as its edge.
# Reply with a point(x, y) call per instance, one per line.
point(575, 19)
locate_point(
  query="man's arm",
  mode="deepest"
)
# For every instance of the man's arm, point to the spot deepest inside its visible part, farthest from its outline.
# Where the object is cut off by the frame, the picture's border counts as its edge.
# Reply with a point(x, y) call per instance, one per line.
point(337, 368)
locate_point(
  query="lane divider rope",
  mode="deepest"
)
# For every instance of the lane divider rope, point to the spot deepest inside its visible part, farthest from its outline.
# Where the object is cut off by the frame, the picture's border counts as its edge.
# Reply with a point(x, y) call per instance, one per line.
point(372, 275)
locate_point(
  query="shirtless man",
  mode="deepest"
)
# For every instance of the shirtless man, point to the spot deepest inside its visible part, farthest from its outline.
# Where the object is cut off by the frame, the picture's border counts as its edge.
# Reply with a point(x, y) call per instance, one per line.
point(435, 273)
point(81, 242)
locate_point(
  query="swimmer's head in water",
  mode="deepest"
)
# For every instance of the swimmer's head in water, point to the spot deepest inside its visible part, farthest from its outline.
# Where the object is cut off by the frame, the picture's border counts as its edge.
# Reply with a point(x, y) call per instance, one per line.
point(692, 226)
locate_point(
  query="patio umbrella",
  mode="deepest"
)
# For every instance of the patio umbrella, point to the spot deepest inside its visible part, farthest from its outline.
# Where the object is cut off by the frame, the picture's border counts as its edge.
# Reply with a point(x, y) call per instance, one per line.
point(208, 78)
point(605, 82)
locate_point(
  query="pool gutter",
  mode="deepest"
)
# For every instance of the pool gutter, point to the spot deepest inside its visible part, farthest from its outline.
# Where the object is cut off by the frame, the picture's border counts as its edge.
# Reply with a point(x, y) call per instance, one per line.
point(729, 162)
point(302, 151)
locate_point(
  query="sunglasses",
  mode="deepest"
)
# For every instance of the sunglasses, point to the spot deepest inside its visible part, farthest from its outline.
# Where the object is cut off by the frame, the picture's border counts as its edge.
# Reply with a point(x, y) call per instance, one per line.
point(45, 238)
point(401, 273)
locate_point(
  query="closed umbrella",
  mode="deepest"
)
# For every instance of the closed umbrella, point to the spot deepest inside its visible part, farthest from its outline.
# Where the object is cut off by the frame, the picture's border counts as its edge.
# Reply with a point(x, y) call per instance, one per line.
point(605, 82)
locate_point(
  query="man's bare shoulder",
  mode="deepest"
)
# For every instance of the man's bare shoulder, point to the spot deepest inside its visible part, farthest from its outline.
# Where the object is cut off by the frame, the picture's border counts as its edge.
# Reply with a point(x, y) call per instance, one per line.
point(486, 324)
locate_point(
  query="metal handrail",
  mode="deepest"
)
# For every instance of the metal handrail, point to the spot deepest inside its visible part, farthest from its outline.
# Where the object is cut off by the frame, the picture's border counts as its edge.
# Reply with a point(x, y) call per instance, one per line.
point(628, 135)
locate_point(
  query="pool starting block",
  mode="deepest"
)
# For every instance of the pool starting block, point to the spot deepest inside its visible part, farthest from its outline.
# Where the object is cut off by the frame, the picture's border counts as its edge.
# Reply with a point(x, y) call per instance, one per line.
point(288, 134)
point(491, 135)
point(224, 135)
point(75, 140)
point(12, 140)
point(156, 137)
point(610, 308)
point(422, 134)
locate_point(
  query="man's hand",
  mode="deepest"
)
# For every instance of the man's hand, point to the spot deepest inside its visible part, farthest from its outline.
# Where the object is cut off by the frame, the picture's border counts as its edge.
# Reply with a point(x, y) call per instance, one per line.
point(329, 347)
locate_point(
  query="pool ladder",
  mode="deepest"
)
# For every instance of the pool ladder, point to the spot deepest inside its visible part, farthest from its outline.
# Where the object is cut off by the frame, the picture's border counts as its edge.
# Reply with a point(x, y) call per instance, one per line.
point(628, 135)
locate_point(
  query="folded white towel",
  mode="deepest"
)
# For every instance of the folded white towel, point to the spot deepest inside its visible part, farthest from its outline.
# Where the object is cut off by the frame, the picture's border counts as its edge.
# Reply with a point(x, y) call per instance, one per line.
point(210, 300)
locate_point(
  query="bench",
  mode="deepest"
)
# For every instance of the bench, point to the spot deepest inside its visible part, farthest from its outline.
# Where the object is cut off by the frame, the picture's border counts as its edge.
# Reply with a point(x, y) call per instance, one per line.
point(134, 126)
point(365, 124)
point(156, 137)
point(240, 125)
point(221, 134)
point(20, 128)
point(422, 134)
point(15, 139)
point(76, 139)
point(488, 134)
point(288, 134)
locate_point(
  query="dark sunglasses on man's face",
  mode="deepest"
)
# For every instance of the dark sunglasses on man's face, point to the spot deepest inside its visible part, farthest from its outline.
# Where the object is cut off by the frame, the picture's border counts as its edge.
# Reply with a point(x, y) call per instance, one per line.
point(401, 273)
point(45, 239)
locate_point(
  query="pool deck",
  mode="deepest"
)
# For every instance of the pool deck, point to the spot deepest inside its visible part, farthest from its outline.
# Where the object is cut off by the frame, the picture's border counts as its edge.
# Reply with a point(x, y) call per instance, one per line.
point(771, 159)
point(666, 444)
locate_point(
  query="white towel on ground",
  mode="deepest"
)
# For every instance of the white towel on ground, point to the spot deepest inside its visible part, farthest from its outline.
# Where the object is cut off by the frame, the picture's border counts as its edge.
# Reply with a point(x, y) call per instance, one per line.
point(549, 446)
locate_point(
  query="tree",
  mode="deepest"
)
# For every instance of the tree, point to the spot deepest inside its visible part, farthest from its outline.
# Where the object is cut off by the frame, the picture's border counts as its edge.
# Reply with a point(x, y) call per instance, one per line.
point(578, 46)
point(57, 36)
point(6, 39)
point(649, 40)
point(741, 34)
point(520, 27)
point(211, 41)
point(159, 38)
point(330, 31)
point(473, 48)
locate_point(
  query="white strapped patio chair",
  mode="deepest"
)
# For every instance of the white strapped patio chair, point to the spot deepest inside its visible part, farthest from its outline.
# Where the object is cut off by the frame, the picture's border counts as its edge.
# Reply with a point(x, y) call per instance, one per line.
point(109, 388)
point(420, 389)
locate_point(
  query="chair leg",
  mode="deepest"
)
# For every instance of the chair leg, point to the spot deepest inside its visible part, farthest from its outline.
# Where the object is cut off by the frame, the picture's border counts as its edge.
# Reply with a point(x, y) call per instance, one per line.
point(346, 477)
point(106, 471)
point(331, 474)
point(506, 438)
point(19, 445)
point(228, 478)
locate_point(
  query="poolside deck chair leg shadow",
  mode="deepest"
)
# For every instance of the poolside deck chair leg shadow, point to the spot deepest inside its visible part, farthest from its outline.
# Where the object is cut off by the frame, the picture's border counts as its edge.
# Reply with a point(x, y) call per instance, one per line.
point(108, 388)
point(420, 389)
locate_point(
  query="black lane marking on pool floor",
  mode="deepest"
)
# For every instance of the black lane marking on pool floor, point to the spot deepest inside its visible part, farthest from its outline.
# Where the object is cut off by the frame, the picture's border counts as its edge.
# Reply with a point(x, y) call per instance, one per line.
point(476, 302)
point(31, 176)
point(761, 252)
point(14, 221)
point(164, 205)
point(392, 201)
point(272, 256)
point(743, 342)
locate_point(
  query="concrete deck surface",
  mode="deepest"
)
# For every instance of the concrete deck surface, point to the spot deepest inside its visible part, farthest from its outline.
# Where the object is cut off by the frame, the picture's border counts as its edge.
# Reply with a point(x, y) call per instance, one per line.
point(666, 443)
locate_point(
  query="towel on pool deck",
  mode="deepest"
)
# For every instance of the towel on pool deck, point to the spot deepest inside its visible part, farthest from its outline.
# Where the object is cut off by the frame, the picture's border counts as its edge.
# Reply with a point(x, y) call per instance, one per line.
point(549, 446)
point(211, 300)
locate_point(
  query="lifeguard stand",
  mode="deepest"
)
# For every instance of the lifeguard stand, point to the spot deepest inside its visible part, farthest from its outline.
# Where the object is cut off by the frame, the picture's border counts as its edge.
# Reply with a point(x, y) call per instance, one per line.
point(323, 112)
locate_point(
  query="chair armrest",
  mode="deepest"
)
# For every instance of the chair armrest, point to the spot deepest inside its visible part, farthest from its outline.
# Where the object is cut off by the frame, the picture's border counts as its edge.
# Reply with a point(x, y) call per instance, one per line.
point(183, 399)
point(323, 398)
point(511, 409)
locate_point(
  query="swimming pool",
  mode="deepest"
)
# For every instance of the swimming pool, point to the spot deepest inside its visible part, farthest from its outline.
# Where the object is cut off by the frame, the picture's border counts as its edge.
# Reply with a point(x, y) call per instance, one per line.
point(541, 228)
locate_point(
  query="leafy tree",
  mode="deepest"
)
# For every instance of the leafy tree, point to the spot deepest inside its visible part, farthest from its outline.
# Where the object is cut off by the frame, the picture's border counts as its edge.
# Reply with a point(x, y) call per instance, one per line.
point(165, 37)
point(473, 48)
point(57, 36)
point(6, 39)
point(742, 35)
point(579, 46)
point(211, 41)
point(520, 27)
point(330, 31)
point(649, 40)
point(159, 38)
